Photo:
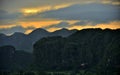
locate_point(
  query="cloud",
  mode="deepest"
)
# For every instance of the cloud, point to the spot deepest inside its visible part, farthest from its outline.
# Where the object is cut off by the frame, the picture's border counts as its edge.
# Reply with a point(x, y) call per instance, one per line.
point(59, 25)
point(83, 23)
point(33, 10)
point(90, 12)
point(86, 22)
point(8, 18)
point(113, 2)
point(13, 4)
point(99, 13)
point(111, 25)
point(37, 10)
point(96, 13)
point(15, 29)
point(6, 15)
point(20, 14)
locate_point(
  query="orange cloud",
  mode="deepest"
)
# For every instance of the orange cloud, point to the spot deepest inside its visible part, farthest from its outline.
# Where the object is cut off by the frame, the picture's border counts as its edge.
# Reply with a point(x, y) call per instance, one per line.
point(71, 22)
point(30, 11)
point(53, 29)
point(61, 6)
point(42, 24)
point(28, 31)
point(34, 10)
point(111, 25)
point(7, 26)
point(38, 24)
point(110, 2)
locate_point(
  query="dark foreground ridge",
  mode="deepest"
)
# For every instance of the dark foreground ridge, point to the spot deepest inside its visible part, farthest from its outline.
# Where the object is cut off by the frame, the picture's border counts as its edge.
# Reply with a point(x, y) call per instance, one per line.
point(85, 52)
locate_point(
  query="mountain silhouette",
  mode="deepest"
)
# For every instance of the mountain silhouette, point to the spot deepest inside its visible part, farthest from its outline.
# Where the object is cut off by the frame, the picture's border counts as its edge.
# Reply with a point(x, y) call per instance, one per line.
point(25, 42)
point(63, 32)
point(93, 50)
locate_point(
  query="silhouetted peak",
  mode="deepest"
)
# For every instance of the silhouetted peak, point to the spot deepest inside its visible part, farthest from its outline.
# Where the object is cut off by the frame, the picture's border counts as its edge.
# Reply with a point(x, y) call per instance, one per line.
point(86, 31)
point(62, 30)
point(91, 29)
point(74, 30)
point(18, 34)
point(39, 30)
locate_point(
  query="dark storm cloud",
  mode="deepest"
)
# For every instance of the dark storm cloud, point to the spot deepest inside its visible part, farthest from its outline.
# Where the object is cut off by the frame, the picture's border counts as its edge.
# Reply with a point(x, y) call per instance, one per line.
point(99, 13)
point(60, 25)
point(15, 29)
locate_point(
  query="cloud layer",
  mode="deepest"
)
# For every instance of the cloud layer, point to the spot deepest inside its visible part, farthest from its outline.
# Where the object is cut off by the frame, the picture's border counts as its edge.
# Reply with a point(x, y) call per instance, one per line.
point(91, 12)
point(17, 15)
point(15, 29)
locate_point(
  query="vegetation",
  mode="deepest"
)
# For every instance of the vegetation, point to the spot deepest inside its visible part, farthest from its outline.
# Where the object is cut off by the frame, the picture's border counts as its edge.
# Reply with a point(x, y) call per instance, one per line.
point(86, 52)
point(91, 50)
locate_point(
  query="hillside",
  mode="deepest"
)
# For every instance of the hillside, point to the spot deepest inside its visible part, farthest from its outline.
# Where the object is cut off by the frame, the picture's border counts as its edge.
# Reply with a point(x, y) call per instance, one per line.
point(89, 49)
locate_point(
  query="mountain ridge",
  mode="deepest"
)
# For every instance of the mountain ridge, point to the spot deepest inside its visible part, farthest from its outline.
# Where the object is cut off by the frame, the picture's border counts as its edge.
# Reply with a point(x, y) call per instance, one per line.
point(95, 48)
point(23, 41)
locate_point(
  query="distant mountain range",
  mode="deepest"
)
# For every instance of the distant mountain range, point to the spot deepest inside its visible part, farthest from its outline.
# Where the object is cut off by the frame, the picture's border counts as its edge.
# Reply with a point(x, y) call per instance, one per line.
point(25, 42)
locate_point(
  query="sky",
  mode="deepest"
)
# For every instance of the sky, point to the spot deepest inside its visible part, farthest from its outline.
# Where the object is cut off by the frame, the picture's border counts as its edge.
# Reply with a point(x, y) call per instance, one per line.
point(26, 15)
